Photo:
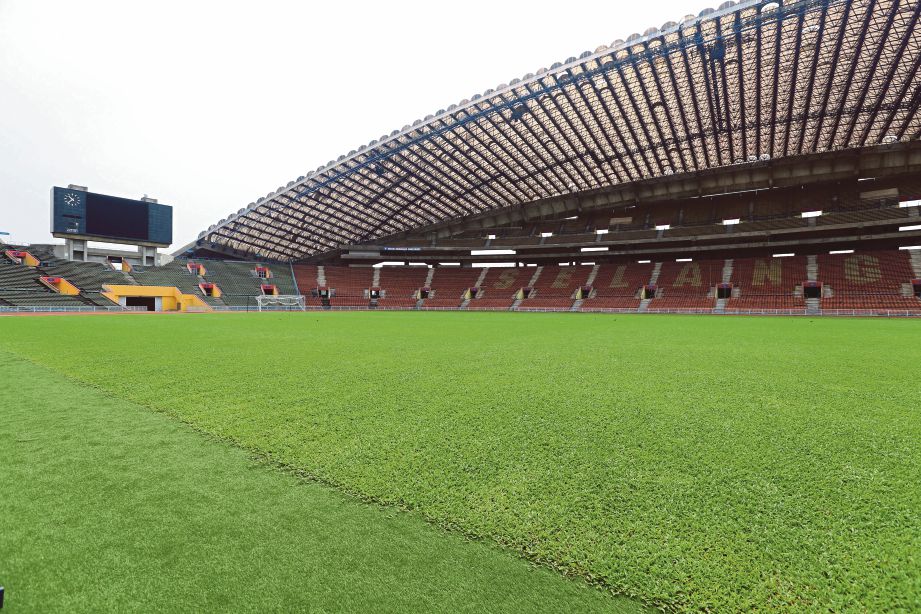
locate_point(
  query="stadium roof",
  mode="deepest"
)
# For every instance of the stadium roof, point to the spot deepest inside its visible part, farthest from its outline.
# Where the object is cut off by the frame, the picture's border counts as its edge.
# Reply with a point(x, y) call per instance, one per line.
point(749, 81)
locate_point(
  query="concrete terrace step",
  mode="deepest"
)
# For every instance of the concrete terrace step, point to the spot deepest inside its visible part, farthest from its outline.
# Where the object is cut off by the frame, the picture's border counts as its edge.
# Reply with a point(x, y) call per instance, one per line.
point(812, 268)
point(654, 277)
point(915, 255)
point(727, 270)
point(813, 306)
point(535, 277)
point(593, 274)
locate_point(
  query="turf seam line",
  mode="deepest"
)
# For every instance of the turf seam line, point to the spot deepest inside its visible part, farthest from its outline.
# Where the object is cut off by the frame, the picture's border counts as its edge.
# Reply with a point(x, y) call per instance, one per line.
point(266, 459)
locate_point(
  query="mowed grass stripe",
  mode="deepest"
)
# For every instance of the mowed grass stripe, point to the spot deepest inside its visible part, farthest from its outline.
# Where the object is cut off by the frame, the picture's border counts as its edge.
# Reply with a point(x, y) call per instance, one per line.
point(696, 462)
point(106, 506)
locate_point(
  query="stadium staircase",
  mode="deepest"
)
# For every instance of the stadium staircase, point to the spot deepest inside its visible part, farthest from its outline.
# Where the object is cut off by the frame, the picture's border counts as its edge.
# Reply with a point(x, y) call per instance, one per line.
point(593, 274)
point(307, 278)
point(656, 271)
point(533, 281)
point(813, 306)
point(577, 304)
point(812, 268)
point(727, 271)
point(915, 257)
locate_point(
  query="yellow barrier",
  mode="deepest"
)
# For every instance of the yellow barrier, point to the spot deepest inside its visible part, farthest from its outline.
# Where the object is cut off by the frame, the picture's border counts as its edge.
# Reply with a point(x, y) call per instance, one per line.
point(60, 285)
point(171, 298)
point(22, 257)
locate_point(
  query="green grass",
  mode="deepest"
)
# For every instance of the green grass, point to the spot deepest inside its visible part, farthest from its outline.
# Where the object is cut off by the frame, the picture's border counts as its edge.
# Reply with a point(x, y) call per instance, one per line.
point(106, 506)
point(693, 462)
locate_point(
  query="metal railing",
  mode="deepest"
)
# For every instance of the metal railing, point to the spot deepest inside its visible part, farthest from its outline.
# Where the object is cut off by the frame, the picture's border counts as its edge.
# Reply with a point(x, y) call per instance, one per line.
point(67, 309)
point(883, 313)
point(891, 313)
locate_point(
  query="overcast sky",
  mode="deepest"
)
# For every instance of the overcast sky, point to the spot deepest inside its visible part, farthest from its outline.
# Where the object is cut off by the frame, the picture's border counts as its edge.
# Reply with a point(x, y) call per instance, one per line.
point(207, 106)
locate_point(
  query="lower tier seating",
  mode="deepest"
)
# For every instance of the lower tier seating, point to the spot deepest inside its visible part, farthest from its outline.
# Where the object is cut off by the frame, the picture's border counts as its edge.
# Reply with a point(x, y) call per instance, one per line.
point(611, 302)
point(872, 302)
point(393, 303)
point(756, 302)
point(539, 302)
point(490, 303)
point(693, 303)
point(441, 303)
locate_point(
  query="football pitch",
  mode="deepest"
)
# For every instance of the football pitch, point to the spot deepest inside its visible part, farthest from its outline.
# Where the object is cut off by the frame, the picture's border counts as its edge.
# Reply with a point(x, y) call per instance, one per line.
point(401, 461)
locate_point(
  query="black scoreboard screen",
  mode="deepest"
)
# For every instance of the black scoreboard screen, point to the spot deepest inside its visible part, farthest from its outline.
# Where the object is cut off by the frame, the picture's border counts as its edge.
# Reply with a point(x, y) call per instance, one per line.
point(85, 215)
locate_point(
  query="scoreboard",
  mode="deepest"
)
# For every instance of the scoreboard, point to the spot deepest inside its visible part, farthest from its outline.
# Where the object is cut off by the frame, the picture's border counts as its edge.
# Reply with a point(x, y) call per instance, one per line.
point(77, 214)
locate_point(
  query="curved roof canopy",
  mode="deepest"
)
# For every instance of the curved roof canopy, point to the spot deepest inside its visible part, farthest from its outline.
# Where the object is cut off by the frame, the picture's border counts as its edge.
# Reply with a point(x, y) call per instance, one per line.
point(753, 80)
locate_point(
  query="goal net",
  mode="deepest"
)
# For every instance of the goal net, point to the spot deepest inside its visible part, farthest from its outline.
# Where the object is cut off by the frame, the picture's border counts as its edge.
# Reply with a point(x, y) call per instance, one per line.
point(283, 302)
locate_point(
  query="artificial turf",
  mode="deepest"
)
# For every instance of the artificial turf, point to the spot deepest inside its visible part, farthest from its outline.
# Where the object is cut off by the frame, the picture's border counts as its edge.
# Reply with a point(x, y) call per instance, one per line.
point(107, 506)
point(693, 462)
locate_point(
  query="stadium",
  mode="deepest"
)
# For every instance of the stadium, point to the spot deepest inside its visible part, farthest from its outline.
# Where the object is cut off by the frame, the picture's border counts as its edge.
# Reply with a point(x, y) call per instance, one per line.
point(636, 331)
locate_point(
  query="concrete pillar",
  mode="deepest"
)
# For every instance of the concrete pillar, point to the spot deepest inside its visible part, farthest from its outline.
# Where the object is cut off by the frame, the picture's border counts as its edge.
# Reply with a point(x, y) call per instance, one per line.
point(76, 250)
point(148, 255)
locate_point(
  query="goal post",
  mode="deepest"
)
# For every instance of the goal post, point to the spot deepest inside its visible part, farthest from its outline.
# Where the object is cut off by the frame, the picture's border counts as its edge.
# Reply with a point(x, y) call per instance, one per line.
point(281, 302)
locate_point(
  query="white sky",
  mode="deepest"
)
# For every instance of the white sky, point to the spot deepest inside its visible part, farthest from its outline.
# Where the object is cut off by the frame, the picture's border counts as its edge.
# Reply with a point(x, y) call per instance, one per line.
point(207, 106)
